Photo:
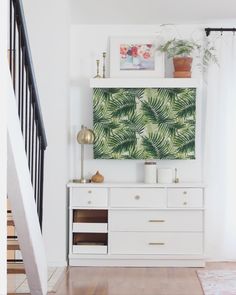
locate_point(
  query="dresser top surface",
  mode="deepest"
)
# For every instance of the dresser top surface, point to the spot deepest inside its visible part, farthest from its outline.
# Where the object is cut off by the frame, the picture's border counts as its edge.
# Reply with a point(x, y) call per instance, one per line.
point(136, 185)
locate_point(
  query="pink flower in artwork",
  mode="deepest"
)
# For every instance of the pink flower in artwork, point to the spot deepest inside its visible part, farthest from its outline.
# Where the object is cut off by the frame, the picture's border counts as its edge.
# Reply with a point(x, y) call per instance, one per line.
point(123, 50)
point(134, 51)
point(146, 55)
point(140, 51)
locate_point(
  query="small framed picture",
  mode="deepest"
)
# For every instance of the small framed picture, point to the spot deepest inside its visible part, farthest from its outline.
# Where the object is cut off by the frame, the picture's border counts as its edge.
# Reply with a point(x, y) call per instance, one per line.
point(135, 57)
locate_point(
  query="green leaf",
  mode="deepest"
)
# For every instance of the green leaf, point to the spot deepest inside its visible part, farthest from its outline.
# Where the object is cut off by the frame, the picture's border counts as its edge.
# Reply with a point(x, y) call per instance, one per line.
point(157, 146)
point(100, 148)
point(122, 104)
point(103, 94)
point(136, 153)
point(185, 142)
point(134, 122)
point(122, 141)
point(185, 105)
point(153, 109)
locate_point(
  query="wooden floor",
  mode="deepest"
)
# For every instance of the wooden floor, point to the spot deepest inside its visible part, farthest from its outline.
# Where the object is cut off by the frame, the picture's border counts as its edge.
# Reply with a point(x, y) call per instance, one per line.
point(134, 281)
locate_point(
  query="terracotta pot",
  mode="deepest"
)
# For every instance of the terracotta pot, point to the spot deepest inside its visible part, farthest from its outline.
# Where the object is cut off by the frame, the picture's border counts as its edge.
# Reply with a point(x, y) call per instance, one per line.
point(182, 74)
point(182, 67)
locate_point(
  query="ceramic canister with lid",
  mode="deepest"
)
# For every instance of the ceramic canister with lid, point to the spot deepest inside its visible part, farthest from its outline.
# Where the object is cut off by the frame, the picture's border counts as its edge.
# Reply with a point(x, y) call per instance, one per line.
point(165, 175)
point(150, 172)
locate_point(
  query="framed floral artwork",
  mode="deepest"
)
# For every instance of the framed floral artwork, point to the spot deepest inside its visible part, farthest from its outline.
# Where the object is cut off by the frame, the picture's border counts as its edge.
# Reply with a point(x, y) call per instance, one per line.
point(135, 57)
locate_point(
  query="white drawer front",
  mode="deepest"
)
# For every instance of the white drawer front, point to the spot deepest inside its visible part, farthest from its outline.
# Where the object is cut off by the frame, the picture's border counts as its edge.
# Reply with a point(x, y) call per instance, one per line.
point(88, 227)
point(86, 249)
point(86, 197)
point(138, 197)
point(185, 198)
point(150, 220)
point(155, 243)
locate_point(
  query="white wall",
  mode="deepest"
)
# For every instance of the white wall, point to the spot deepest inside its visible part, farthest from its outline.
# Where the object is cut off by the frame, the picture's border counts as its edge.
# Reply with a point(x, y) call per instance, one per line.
point(50, 39)
point(3, 146)
point(138, 12)
point(87, 44)
point(48, 28)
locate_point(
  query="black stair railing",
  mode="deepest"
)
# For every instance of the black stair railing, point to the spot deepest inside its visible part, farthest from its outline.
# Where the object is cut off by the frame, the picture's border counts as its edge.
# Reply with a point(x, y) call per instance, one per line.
point(27, 97)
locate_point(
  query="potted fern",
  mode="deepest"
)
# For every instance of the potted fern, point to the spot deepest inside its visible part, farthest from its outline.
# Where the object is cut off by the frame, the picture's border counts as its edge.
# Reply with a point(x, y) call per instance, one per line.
point(181, 50)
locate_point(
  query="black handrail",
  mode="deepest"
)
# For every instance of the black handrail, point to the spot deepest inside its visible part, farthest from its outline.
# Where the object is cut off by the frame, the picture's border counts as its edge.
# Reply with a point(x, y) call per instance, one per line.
point(20, 21)
point(209, 30)
point(30, 115)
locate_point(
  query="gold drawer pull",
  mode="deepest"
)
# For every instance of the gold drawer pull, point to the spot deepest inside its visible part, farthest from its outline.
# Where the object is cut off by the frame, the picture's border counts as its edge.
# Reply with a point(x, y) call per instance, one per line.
point(156, 220)
point(156, 244)
point(89, 191)
point(185, 193)
point(89, 202)
point(185, 203)
point(137, 197)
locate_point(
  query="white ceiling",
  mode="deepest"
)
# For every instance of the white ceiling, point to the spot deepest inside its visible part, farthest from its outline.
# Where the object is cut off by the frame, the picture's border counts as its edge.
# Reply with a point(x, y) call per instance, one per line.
point(150, 11)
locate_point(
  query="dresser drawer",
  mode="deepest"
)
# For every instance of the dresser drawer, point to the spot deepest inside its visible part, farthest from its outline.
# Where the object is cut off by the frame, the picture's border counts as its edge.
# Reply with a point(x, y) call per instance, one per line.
point(87, 227)
point(138, 197)
point(89, 197)
point(185, 198)
point(156, 220)
point(86, 249)
point(155, 243)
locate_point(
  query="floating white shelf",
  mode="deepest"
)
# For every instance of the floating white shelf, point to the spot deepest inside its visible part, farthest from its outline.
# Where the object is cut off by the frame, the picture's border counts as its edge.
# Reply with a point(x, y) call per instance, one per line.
point(144, 83)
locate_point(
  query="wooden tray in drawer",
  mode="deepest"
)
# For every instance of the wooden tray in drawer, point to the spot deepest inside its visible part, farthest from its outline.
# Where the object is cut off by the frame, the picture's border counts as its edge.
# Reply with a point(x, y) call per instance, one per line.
point(138, 197)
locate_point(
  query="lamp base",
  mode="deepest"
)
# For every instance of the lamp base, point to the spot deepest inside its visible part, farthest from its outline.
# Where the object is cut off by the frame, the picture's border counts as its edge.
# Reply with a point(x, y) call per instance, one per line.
point(81, 180)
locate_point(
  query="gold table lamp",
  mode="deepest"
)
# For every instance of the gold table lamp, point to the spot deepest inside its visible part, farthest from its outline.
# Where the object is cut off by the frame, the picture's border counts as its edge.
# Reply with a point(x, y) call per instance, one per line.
point(84, 136)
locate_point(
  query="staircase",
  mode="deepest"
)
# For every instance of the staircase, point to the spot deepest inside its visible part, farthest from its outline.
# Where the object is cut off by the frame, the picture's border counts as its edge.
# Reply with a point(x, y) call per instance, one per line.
point(25, 167)
point(15, 263)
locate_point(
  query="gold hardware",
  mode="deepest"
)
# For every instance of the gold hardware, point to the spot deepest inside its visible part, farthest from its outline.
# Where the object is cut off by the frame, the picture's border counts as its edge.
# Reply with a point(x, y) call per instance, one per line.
point(185, 193)
point(156, 220)
point(98, 75)
point(104, 65)
point(176, 178)
point(156, 244)
point(89, 202)
point(137, 197)
point(89, 191)
point(185, 203)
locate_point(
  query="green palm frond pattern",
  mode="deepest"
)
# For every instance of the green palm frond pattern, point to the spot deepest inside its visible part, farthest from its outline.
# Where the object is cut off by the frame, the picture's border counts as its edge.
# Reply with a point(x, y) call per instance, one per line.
point(144, 123)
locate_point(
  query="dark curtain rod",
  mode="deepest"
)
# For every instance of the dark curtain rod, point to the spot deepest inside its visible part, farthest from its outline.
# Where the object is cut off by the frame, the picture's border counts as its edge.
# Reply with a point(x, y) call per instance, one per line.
point(209, 30)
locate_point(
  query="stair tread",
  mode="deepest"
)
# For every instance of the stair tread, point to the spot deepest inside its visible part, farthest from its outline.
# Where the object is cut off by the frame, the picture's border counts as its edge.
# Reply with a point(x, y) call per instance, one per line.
point(15, 268)
point(13, 245)
point(10, 222)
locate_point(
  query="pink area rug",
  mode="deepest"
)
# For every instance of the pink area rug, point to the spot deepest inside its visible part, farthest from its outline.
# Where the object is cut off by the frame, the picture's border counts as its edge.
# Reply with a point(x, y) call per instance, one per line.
point(218, 282)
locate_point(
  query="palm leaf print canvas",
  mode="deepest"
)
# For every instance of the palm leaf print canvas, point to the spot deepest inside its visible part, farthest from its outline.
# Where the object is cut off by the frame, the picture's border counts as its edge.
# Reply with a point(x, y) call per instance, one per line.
point(144, 123)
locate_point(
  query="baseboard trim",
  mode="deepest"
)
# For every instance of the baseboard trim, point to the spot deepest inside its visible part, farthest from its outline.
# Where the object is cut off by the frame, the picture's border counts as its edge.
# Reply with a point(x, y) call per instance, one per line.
point(138, 263)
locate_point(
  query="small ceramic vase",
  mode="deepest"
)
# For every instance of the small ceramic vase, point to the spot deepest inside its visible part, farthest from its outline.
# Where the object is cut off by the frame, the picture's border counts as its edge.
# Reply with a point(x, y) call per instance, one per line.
point(98, 178)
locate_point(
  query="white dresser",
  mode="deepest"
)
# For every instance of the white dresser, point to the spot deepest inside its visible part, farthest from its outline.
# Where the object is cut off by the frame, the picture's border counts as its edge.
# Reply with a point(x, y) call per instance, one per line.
point(136, 224)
